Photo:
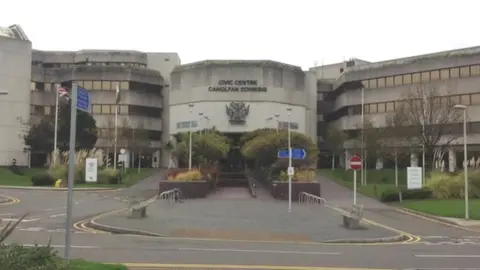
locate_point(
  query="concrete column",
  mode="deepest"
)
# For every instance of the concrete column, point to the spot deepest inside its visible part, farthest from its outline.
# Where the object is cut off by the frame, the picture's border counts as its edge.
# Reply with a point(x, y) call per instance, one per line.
point(452, 160)
point(379, 164)
point(413, 160)
point(156, 159)
point(346, 160)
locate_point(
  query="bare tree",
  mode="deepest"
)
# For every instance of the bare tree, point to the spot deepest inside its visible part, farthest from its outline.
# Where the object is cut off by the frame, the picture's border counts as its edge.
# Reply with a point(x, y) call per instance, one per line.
point(335, 140)
point(426, 118)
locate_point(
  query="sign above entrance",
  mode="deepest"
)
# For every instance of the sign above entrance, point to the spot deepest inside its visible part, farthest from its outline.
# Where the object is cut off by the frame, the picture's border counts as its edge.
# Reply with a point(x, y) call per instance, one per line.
point(237, 112)
point(237, 86)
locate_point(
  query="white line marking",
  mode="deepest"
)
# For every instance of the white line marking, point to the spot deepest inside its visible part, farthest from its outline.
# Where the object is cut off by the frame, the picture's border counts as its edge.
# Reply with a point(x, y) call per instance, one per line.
point(446, 256)
point(58, 215)
point(32, 229)
point(7, 214)
point(16, 219)
point(62, 246)
point(260, 251)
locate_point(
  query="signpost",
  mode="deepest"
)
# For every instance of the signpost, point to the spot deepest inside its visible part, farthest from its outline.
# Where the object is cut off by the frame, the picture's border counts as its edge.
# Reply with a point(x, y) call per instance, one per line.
point(297, 153)
point(80, 99)
point(355, 165)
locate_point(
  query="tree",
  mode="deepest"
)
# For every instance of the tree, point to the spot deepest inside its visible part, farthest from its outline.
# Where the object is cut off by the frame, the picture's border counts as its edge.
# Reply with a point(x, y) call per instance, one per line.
point(207, 147)
point(136, 140)
point(40, 136)
point(335, 141)
point(425, 118)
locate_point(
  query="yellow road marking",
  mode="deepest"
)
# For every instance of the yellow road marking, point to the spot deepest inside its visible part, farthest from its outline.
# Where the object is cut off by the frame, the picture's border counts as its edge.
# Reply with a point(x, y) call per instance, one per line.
point(13, 200)
point(231, 266)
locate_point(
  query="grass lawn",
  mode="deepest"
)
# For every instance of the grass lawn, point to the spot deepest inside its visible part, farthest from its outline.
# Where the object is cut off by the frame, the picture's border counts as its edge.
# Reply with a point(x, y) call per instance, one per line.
point(85, 265)
point(132, 176)
point(445, 208)
point(377, 180)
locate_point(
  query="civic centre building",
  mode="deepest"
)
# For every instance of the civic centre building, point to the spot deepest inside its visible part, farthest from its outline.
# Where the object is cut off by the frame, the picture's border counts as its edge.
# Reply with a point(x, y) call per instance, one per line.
point(165, 97)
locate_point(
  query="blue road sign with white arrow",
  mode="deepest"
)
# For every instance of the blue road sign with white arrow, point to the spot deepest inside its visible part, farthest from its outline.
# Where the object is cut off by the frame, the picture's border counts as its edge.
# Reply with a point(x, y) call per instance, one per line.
point(297, 153)
point(83, 99)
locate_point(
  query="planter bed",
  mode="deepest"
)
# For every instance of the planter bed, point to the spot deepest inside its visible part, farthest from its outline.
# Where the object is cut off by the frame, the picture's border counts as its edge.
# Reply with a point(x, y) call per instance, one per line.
point(279, 190)
point(189, 189)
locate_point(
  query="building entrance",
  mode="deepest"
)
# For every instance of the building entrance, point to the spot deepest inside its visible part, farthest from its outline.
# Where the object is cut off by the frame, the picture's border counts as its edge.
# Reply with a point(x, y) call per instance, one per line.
point(234, 161)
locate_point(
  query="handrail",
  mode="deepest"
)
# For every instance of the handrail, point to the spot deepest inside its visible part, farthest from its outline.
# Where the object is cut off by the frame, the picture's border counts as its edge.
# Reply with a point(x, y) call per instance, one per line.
point(307, 198)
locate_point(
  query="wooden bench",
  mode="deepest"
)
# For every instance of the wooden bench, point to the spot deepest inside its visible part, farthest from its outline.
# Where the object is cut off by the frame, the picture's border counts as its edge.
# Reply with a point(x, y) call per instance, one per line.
point(353, 219)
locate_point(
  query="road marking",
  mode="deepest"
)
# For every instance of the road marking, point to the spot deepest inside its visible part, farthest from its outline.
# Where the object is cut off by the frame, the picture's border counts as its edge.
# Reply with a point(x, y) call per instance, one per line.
point(446, 256)
point(31, 229)
point(413, 213)
point(259, 251)
point(230, 266)
point(62, 246)
point(13, 200)
point(58, 215)
point(16, 219)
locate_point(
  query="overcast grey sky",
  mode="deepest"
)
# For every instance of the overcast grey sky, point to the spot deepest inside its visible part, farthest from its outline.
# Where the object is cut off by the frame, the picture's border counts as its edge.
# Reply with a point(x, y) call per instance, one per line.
point(297, 32)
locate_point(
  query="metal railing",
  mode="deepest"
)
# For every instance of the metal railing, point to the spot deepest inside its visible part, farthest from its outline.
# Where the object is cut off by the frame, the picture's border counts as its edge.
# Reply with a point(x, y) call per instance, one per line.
point(171, 195)
point(307, 198)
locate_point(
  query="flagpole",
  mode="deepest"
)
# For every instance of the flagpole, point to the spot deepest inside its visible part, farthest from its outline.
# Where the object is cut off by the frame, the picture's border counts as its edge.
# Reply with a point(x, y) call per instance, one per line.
point(55, 132)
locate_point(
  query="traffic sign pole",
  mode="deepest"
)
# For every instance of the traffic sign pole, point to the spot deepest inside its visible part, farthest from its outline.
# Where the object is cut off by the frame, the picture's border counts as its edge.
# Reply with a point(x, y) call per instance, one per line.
point(355, 165)
point(354, 187)
point(71, 170)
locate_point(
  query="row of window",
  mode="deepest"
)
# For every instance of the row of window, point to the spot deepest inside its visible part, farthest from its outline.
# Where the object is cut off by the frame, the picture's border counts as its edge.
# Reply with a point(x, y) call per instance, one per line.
point(127, 110)
point(109, 133)
point(423, 77)
point(186, 124)
point(71, 65)
point(99, 86)
point(391, 106)
point(42, 110)
point(284, 125)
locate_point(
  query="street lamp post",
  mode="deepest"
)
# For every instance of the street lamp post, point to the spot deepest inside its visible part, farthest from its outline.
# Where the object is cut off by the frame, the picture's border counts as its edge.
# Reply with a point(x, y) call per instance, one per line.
point(200, 121)
point(207, 122)
point(277, 116)
point(465, 167)
point(190, 107)
point(289, 110)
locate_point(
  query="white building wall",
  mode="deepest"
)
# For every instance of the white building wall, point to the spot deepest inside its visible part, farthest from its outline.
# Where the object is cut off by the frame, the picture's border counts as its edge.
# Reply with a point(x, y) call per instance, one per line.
point(15, 72)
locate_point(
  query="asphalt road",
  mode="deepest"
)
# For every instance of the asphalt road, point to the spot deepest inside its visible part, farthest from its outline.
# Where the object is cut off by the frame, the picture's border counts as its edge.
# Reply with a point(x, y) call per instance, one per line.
point(440, 246)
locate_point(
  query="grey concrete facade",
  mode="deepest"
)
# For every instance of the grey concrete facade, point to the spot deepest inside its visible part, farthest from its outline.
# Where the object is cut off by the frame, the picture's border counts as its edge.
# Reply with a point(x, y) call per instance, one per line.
point(15, 70)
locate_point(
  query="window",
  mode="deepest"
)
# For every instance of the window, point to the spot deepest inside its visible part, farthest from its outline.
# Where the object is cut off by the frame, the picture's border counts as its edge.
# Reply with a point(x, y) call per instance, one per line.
point(398, 105)
point(123, 109)
point(97, 85)
point(381, 82)
point(389, 81)
point(124, 85)
point(106, 109)
point(114, 84)
point(475, 70)
point(366, 108)
point(465, 72)
point(96, 109)
point(454, 72)
point(455, 100)
point(48, 87)
point(88, 85)
point(365, 84)
point(475, 99)
point(47, 110)
point(425, 76)
point(407, 78)
point(415, 77)
point(33, 86)
point(80, 83)
point(465, 99)
point(372, 83)
point(381, 107)
point(435, 75)
point(397, 80)
point(390, 107)
point(373, 107)
point(106, 85)
point(445, 74)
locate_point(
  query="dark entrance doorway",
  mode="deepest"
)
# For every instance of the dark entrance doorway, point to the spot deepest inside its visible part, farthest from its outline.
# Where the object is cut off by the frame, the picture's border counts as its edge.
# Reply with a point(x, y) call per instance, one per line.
point(234, 161)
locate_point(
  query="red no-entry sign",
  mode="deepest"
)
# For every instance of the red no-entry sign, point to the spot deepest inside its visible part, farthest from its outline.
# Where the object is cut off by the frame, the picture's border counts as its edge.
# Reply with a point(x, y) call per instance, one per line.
point(355, 163)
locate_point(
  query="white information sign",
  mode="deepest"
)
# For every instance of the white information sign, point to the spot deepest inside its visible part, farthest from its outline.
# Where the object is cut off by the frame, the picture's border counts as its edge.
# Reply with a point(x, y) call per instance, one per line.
point(91, 166)
point(290, 171)
point(414, 177)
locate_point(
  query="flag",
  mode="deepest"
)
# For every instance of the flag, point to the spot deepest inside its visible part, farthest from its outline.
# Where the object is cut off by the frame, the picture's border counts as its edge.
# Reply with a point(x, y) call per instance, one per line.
point(117, 95)
point(62, 92)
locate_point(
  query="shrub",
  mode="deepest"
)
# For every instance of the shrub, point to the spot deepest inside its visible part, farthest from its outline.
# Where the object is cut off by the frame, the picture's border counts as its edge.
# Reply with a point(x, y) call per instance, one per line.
point(193, 175)
point(445, 186)
point(392, 195)
point(109, 176)
point(299, 176)
point(59, 172)
point(42, 179)
point(17, 257)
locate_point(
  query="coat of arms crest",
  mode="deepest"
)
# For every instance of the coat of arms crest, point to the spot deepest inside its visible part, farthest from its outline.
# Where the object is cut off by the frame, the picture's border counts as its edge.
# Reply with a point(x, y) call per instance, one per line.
point(237, 112)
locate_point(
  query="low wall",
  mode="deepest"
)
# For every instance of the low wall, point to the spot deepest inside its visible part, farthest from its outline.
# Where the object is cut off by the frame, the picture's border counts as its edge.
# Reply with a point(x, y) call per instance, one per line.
point(279, 190)
point(189, 189)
